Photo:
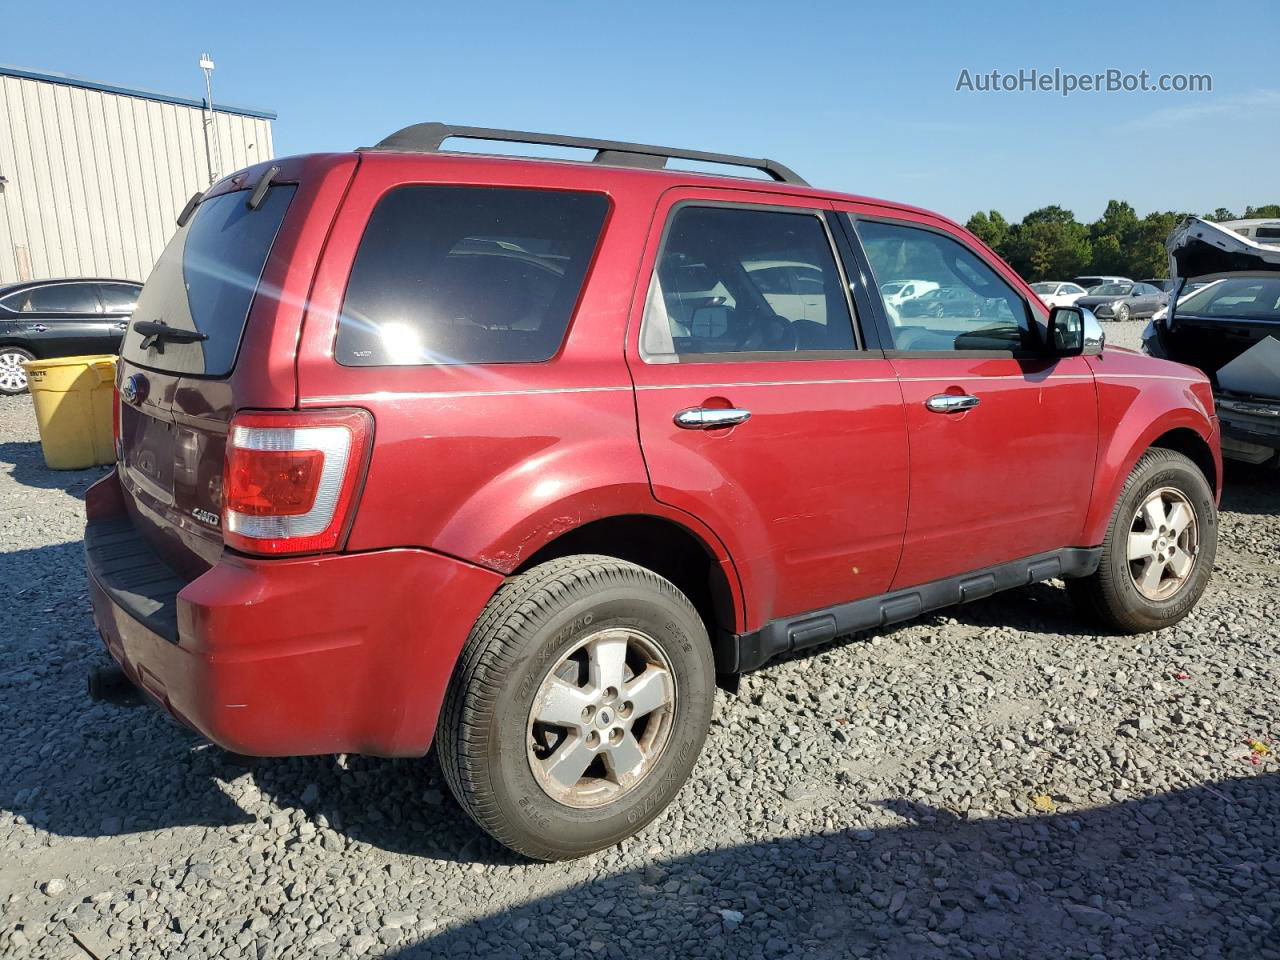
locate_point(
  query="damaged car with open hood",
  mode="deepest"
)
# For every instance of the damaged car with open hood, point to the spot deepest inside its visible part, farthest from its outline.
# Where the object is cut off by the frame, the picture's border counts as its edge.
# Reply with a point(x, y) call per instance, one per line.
point(1229, 327)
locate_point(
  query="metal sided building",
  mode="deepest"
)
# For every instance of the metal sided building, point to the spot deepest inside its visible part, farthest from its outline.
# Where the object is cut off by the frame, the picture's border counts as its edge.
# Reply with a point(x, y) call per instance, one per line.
point(93, 176)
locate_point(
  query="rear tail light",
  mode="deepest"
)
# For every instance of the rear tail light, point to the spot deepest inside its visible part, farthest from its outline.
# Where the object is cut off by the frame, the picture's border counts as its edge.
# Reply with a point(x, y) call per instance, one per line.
point(116, 440)
point(290, 480)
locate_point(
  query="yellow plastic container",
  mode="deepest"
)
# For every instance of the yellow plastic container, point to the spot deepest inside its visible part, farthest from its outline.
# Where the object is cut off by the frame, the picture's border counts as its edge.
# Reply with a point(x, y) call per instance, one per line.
point(73, 397)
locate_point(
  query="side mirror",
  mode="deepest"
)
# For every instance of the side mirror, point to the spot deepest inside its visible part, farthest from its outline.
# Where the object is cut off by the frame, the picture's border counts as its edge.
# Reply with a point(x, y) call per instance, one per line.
point(1075, 332)
point(709, 322)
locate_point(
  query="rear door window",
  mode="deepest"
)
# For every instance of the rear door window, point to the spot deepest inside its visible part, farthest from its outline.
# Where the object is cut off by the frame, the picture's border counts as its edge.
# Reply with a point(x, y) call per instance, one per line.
point(205, 280)
point(450, 275)
point(60, 298)
point(735, 280)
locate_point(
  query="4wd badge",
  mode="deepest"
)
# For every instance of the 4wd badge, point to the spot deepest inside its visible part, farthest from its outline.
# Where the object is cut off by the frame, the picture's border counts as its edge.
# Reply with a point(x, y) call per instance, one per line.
point(205, 516)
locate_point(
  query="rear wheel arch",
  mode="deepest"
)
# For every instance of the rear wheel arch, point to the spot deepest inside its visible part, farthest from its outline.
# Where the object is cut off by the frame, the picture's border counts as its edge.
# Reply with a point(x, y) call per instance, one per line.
point(668, 549)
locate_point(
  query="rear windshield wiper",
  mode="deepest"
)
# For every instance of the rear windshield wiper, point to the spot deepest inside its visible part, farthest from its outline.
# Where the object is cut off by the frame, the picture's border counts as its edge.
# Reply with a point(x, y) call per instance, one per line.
point(155, 333)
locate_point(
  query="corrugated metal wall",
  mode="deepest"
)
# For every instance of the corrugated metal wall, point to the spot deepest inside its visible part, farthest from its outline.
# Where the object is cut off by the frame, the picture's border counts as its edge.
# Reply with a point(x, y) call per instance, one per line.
point(95, 180)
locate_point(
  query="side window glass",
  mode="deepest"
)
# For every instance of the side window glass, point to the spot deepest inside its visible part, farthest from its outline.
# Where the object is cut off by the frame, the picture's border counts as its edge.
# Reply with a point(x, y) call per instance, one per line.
point(731, 280)
point(118, 297)
point(64, 298)
point(967, 306)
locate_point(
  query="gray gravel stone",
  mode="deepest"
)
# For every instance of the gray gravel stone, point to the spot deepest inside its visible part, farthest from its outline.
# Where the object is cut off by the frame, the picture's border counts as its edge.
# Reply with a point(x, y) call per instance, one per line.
point(899, 821)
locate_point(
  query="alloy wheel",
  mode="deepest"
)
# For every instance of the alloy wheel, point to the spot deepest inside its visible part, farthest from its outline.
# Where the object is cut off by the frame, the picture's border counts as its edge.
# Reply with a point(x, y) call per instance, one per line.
point(13, 377)
point(1164, 541)
point(601, 718)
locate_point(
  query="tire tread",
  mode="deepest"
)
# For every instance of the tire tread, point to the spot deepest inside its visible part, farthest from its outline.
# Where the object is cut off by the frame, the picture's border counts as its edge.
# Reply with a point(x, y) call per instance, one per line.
point(487, 659)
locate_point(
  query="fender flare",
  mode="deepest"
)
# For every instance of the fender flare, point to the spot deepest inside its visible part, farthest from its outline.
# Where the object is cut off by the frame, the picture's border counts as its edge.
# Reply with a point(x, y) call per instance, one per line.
point(1127, 445)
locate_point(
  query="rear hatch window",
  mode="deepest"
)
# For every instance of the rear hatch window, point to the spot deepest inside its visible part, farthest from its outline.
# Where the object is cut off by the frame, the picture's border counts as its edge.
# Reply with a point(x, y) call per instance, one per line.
point(204, 282)
point(448, 275)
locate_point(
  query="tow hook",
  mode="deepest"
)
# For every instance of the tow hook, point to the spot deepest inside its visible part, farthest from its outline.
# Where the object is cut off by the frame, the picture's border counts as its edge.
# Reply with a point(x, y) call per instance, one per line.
point(110, 685)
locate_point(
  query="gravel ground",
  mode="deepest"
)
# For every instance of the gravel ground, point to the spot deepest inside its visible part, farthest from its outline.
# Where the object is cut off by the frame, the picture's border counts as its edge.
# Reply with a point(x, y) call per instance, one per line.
point(996, 782)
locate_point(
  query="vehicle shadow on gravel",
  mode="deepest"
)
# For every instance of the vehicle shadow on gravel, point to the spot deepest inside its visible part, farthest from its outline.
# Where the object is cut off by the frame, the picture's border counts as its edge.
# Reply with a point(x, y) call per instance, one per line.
point(70, 766)
point(25, 463)
point(415, 814)
point(100, 770)
point(1179, 874)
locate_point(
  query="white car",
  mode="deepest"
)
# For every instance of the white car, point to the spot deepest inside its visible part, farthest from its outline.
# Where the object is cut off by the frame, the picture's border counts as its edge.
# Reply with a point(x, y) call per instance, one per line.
point(1057, 293)
point(899, 291)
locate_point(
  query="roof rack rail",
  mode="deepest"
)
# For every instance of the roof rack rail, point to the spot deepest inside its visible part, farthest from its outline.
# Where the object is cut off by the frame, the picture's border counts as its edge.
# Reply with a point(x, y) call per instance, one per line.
point(428, 137)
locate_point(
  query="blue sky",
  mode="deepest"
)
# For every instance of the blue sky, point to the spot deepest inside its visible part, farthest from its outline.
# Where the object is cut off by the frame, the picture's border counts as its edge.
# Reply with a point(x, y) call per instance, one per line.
point(856, 97)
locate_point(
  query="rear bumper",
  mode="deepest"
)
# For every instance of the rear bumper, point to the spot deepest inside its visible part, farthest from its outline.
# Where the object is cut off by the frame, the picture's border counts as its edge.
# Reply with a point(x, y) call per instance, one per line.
point(1254, 424)
point(344, 653)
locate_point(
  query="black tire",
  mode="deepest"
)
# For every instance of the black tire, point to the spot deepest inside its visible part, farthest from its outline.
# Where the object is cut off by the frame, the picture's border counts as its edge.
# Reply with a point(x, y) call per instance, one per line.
point(526, 629)
point(1109, 596)
point(8, 354)
point(1121, 313)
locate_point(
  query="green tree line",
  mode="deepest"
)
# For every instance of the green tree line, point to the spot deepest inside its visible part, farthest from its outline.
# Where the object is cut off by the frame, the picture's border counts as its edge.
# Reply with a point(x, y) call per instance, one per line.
point(1051, 244)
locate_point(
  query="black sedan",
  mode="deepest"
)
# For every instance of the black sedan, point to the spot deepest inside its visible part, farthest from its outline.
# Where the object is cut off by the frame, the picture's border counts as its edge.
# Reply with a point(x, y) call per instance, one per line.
point(60, 318)
point(1124, 301)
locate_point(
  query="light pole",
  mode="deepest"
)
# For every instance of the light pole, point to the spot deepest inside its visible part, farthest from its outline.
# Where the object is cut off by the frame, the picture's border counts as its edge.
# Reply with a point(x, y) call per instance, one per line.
point(212, 154)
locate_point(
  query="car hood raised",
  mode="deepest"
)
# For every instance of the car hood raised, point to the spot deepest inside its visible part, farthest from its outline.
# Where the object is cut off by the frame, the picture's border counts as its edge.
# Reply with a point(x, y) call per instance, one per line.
point(1198, 248)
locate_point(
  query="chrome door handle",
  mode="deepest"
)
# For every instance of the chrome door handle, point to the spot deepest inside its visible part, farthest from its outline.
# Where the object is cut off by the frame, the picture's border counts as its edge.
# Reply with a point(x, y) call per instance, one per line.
point(39, 327)
point(709, 418)
point(951, 403)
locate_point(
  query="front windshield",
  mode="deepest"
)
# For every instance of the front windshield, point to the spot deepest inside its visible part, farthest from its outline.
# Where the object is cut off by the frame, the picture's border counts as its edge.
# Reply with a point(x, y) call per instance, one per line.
point(1111, 290)
point(1244, 298)
point(892, 288)
point(1044, 287)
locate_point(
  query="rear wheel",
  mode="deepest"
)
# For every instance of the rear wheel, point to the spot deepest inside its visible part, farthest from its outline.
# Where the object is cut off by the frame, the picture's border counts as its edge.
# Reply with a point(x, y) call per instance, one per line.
point(13, 377)
point(1159, 549)
point(579, 705)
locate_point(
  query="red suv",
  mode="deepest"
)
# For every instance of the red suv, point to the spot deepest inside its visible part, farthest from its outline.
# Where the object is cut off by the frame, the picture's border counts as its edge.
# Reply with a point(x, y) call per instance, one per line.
point(517, 456)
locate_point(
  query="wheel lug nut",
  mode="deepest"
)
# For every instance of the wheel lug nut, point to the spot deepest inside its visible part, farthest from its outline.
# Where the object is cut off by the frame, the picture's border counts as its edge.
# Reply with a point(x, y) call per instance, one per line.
point(615, 736)
point(593, 739)
point(588, 712)
point(610, 694)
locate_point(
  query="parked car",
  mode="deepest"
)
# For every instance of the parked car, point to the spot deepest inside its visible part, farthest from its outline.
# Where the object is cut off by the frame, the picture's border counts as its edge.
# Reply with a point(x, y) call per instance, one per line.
point(1188, 287)
point(899, 290)
point(1055, 293)
point(445, 473)
point(1124, 301)
point(1089, 282)
point(943, 302)
point(60, 318)
point(1229, 327)
point(1163, 284)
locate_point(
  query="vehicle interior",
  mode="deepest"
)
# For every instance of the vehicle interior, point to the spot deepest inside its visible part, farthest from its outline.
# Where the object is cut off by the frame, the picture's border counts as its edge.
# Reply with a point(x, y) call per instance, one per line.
point(737, 281)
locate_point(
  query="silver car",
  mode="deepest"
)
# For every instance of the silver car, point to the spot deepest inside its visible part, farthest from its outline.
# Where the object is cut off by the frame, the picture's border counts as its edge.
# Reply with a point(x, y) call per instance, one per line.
point(1124, 301)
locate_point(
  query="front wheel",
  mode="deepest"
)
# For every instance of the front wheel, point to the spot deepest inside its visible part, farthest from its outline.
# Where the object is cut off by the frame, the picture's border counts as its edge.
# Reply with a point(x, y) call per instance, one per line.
point(1122, 313)
point(13, 376)
point(1158, 553)
point(579, 705)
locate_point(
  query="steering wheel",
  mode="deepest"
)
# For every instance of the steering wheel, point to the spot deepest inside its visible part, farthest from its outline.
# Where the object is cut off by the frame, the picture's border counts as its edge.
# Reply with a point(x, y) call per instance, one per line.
point(773, 334)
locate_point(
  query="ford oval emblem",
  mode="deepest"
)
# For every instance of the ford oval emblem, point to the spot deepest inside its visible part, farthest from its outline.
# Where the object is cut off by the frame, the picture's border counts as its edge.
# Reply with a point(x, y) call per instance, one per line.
point(134, 389)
